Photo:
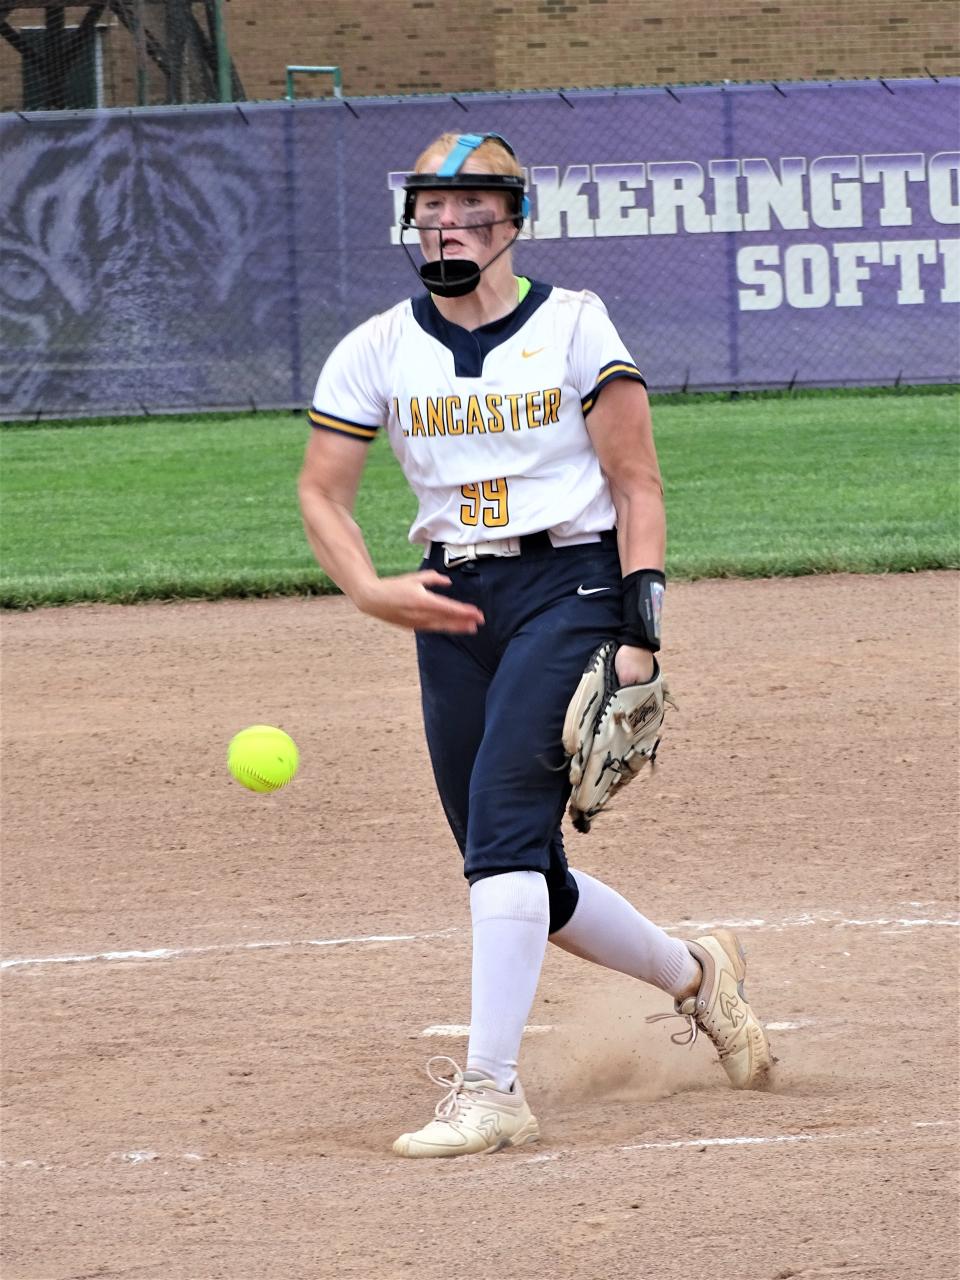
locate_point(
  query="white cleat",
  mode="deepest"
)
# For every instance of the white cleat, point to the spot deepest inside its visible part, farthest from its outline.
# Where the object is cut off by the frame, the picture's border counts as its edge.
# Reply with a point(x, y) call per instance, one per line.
point(721, 1010)
point(473, 1116)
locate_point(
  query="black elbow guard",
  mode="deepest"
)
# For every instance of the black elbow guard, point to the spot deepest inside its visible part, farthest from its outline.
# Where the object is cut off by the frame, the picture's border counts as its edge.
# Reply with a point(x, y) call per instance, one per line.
point(642, 608)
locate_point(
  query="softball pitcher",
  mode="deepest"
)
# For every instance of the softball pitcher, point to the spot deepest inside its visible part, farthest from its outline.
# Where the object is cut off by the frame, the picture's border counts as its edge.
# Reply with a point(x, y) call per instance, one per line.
point(522, 425)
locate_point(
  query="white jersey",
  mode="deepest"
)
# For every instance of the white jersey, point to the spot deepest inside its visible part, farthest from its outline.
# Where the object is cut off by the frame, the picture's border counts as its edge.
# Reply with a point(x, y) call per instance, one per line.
point(488, 425)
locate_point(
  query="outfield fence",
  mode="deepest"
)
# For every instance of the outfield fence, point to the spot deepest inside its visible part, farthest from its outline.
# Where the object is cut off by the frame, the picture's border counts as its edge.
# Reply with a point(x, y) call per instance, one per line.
point(742, 237)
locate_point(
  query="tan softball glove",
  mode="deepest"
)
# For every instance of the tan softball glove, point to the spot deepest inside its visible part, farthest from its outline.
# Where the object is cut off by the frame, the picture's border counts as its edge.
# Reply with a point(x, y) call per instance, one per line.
point(611, 732)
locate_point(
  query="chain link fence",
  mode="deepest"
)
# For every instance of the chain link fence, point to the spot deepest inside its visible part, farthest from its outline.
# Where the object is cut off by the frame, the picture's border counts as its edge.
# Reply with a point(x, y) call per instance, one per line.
point(115, 53)
point(741, 237)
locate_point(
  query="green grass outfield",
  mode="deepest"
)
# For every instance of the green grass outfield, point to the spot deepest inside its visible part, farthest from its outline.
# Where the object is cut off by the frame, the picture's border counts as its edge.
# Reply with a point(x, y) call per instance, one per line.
point(762, 485)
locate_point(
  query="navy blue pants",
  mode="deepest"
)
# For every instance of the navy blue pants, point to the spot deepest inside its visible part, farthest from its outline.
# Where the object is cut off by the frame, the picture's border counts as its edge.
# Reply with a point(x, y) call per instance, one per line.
point(494, 703)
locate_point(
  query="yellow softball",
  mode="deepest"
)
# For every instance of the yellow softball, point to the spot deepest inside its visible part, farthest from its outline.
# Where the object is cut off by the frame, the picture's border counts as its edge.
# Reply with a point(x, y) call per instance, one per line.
point(262, 758)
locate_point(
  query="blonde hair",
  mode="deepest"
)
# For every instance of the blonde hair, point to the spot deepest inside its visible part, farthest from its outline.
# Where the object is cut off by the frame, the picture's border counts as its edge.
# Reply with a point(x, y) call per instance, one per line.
point(496, 158)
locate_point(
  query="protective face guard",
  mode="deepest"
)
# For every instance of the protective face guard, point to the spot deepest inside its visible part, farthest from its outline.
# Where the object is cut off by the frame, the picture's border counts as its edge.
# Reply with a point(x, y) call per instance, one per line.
point(509, 184)
point(457, 277)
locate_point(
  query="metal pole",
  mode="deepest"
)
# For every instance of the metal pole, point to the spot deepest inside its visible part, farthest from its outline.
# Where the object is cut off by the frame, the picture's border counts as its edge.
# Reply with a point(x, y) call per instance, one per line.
point(54, 60)
point(223, 54)
point(174, 33)
point(140, 44)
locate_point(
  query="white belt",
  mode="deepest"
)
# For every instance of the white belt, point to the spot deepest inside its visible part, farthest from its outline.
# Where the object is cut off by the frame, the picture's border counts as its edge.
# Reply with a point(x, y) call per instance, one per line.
point(455, 553)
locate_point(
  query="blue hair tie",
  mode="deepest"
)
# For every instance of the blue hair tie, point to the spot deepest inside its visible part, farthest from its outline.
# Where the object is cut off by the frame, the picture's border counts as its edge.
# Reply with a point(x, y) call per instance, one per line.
point(466, 143)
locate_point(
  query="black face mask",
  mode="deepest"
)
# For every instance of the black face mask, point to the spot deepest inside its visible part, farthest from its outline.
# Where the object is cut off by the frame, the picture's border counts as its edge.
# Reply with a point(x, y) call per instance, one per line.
point(453, 277)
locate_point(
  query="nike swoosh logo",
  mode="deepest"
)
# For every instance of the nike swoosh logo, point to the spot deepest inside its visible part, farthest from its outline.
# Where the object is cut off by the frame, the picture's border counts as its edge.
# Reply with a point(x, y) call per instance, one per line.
point(590, 591)
point(527, 354)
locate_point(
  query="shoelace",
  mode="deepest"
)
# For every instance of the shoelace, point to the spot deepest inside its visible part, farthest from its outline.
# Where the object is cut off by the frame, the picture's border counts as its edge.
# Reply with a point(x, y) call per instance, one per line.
point(689, 1036)
point(449, 1105)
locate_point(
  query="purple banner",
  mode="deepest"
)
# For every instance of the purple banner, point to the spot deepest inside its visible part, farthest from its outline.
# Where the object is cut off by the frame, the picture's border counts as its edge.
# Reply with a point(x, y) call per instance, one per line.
point(741, 237)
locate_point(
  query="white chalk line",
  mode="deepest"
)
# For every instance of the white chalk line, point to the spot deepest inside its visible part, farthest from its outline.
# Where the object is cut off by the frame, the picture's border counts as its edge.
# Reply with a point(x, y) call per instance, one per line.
point(172, 953)
point(460, 1030)
point(776, 1138)
point(687, 927)
point(759, 1140)
point(148, 1156)
point(456, 1030)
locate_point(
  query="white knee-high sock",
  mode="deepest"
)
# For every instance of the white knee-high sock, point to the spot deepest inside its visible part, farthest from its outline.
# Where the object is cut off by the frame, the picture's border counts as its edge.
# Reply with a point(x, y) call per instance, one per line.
point(606, 929)
point(511, 915)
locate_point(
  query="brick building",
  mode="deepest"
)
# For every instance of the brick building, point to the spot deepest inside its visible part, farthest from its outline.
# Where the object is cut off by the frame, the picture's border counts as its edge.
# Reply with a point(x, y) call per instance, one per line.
point(429, 46)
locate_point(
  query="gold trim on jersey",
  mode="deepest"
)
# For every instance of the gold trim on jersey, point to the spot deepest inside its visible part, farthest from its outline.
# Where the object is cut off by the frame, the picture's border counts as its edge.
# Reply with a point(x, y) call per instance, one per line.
point(616, 369)
point(343, 425)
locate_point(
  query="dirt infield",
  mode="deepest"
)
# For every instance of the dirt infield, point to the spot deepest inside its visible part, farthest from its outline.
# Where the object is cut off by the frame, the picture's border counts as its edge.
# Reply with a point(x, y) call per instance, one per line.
point(215, 1003)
